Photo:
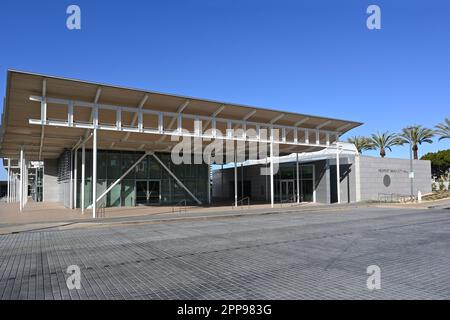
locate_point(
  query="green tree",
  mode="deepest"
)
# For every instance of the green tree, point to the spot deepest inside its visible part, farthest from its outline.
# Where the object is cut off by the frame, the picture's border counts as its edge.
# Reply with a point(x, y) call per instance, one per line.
point(383, 141)
point(361, 143)
point(416, 135)
point(440, 162)
point(443, 129)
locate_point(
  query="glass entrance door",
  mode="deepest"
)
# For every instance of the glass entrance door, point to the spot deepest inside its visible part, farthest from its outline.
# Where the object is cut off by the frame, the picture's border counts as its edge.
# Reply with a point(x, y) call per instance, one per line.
point(153, 192)
point(287, 190)
point(147, 192)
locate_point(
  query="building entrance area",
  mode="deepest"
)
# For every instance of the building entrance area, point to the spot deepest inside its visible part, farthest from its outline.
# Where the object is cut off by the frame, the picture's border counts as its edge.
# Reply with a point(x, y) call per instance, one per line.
point(148, 192)
point(286, 183)
point(287, 191)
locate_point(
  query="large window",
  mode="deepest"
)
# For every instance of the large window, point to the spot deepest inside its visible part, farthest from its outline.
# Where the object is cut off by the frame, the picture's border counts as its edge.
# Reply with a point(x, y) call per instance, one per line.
point(112, 164)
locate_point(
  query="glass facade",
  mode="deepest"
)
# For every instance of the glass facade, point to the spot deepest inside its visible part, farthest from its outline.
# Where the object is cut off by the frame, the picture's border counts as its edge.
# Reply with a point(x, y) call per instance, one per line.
point(147, 184)
point(285, 185)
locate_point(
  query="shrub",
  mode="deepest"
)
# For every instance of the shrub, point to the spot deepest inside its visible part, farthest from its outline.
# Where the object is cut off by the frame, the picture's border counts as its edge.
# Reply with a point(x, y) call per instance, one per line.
point(441, 186)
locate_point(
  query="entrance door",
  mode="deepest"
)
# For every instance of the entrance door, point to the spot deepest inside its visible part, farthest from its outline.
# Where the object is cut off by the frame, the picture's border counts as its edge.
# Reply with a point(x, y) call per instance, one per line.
point(141, 192)
point(153, 192)
point(287, 190)
point(147, 192)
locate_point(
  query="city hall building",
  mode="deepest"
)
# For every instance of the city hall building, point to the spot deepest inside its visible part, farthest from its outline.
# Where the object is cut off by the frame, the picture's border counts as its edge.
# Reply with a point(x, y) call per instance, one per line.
point(90, 145)
point(312, 177)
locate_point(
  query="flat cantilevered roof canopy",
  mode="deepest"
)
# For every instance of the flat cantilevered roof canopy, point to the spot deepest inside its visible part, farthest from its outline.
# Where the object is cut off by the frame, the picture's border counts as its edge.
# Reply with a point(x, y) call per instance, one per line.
point(45, 115)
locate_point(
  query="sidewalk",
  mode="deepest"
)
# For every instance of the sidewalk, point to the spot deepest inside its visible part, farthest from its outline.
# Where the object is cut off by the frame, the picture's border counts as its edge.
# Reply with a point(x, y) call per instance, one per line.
point(40, 216)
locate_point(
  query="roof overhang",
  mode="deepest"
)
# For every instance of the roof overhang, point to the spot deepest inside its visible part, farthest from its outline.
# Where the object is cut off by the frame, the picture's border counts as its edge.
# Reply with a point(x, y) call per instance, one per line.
point(147, 118)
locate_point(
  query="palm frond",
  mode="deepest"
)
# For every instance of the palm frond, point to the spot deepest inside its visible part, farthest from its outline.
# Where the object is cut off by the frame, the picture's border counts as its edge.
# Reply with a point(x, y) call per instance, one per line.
point(443, 129)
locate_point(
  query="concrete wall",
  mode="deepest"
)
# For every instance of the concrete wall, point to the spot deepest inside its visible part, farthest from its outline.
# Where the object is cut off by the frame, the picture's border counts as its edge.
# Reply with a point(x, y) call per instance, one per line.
point(322, 181)
point(391, 176)
point(52, 190)
point(347, 180)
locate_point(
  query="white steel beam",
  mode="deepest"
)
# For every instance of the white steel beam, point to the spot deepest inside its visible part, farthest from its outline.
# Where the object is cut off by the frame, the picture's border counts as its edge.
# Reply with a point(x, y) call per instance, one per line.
point(322, 125)
point(96, 99)
point(249, 115)
point(276, 118)
point(298, 123)
point(175, 119)
point(214, 115)
point(129, 130)
point(135, 116)
point(345, 126)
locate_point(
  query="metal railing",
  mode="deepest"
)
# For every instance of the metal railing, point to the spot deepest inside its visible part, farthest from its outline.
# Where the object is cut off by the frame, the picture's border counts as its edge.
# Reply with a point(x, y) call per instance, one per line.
point(181, 205)
point(241, 201)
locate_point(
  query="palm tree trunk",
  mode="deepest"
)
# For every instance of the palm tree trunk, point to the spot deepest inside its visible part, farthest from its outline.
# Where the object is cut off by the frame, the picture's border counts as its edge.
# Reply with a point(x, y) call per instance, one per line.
point(382, 152)
point(415, 150)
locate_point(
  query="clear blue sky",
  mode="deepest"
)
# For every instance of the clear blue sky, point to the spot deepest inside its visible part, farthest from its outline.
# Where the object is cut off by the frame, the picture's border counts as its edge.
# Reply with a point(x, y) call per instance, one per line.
point(315, 57)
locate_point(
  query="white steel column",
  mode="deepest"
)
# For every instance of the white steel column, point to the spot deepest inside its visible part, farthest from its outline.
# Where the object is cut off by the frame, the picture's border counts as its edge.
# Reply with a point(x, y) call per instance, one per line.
point(221, 182)
point(298, 178)
point(314, 183)
point(272, 198)
point(242, 180)
point(357, 178)
point(83, 174)
point(75, 179)
point(209, 184)
point(71, 181)
point(338, 174)
point(11, 198)
point(94, 174)
point(266, 178)
point(25, 181)
point(14, 197)
point(8, 191)
point(235, 179)
point(21, 181)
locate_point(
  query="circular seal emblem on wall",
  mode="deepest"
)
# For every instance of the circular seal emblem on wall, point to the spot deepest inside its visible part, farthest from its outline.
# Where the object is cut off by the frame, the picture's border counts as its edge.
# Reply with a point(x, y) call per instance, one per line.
point(387, 180)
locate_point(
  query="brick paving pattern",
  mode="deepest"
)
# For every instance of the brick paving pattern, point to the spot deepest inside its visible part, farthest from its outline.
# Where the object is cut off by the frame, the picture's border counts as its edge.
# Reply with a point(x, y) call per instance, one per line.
point(282, 256)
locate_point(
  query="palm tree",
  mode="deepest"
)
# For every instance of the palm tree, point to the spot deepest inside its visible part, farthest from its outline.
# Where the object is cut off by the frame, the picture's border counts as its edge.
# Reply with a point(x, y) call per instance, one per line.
point(384, 141)
point(361, 143)
point(415, 135)
point(443, 129)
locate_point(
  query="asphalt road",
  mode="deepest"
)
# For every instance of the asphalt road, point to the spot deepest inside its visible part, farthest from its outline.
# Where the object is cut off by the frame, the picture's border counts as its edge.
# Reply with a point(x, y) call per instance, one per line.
point(321, 255)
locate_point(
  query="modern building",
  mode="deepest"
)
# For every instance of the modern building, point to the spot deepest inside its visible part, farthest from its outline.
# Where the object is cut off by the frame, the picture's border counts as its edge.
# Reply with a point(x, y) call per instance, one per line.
point(74, 142)
point(312, 177)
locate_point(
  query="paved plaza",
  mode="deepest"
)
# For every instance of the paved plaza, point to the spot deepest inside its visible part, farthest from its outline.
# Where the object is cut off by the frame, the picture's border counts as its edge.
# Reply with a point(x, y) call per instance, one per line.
point(295, 255)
